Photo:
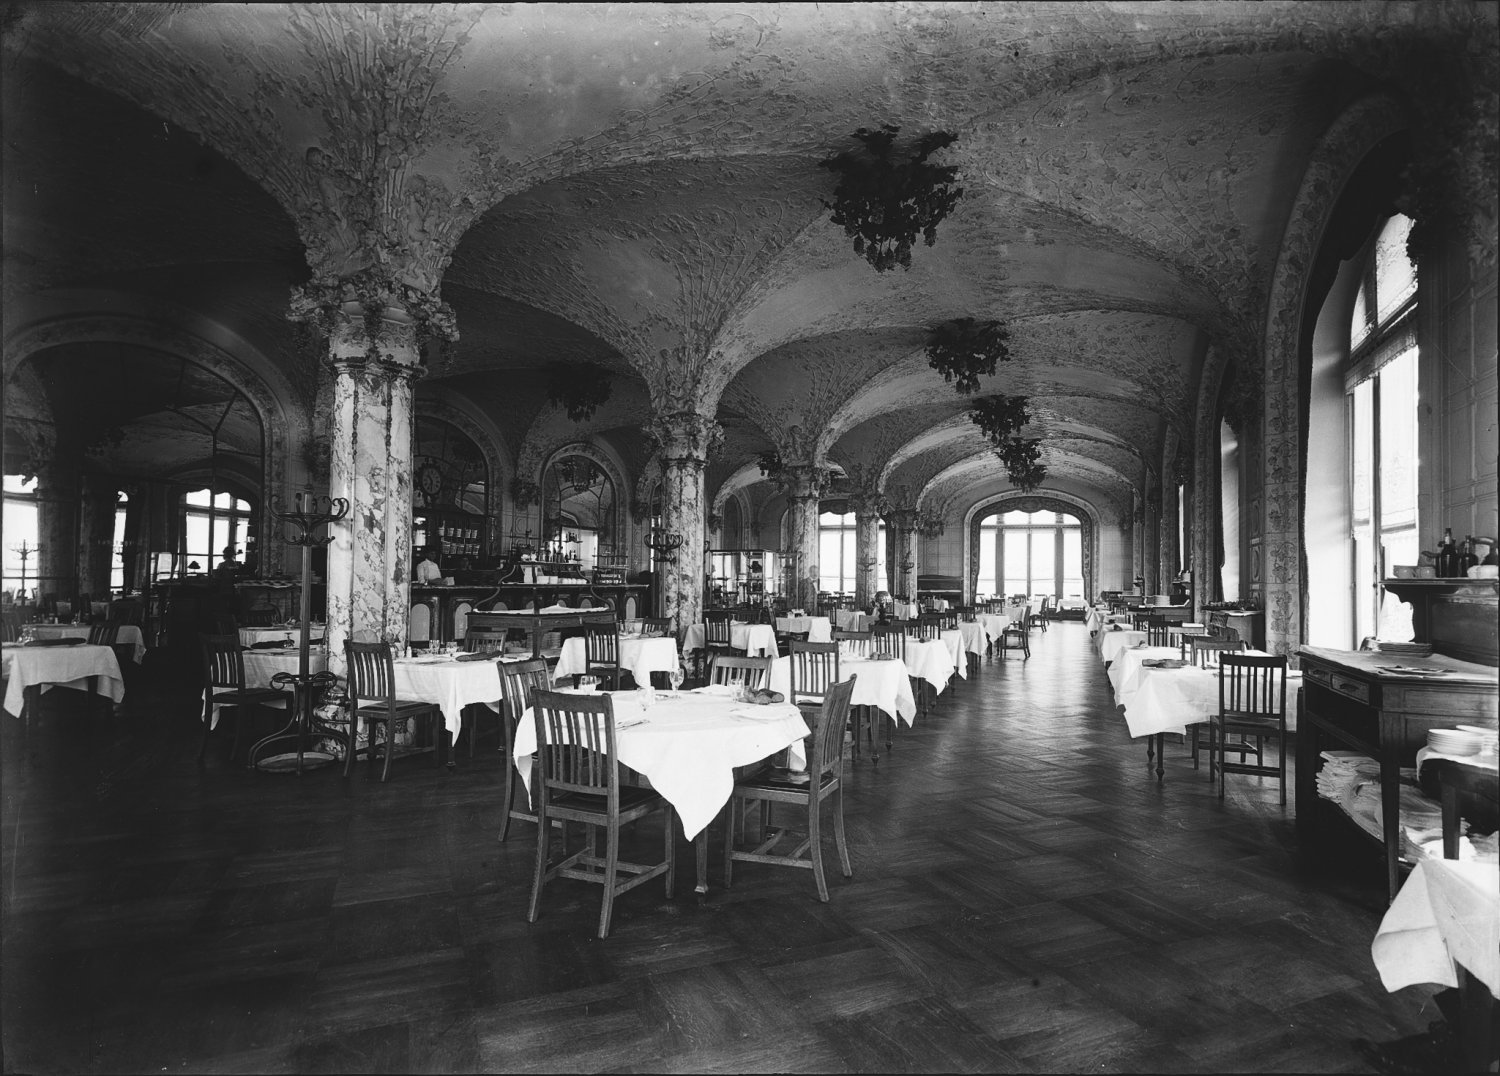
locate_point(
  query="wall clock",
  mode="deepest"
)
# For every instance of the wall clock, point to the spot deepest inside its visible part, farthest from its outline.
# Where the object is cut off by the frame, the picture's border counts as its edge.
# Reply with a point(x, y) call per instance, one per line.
point(429, 481)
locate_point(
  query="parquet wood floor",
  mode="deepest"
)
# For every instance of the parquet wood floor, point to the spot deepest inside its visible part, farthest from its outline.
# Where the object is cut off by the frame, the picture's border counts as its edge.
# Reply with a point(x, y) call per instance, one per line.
point(1025, 898)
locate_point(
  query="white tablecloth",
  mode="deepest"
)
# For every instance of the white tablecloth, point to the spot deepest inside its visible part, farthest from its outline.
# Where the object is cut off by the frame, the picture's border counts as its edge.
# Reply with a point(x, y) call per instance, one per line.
point(930, 660)
point(47, 667)
point(1072, 603)
point(1447, 913)
point(1112, 642)
point(851, 620)
point(1169, 700)
point(451, 685)
point(884, 684)
point(1125, 671)
point(129, 635)
point(819, 628)
point(262, 665)
point(974, 637)
point(757, 640)
point(641, 657)
point(251, 636)
point(993, 624)
point(904, 610)
point(689, 746)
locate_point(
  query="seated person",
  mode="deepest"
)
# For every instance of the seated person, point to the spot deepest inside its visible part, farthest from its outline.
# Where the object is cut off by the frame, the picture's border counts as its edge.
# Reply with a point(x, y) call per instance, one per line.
point(229, 566)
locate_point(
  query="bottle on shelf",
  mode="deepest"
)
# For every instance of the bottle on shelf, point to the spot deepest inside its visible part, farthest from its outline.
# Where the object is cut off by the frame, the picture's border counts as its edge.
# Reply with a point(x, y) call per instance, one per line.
point(1468, 558)
point(1446, 555)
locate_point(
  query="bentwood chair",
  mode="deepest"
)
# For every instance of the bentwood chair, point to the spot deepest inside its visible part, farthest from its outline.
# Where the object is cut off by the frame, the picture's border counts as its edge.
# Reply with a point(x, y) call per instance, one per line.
point(224, 688)
point(372, 699)
point(1252, 705)
point(825, 772)
point(577, 779)
point(728, 669)
point(519, 683)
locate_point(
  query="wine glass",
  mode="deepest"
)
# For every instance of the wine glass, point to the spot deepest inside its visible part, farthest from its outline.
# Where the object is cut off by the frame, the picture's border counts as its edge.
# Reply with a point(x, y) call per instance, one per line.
point(675, 676)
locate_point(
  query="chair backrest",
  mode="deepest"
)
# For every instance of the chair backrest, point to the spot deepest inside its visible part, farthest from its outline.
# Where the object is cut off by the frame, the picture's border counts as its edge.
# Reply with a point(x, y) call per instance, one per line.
point(717, 631)
point(1252, 685)
point(815, 667)
point(485, 640)
point(856, 643)
point(887, 642)
point(656, 625)
point(948, 620)
point(1158, 631)
point(223, 661)
point(109, 634)
point(966, 613)
point(712, 615)
point(601, 644)
point(126, 611)
point(372, 672)
point(519, 683)
point(728, 669)
point(929, 625)
point(1202, 649)
point(258, 616)
point(575, 736)
point(1138, 620)
point(828, 736)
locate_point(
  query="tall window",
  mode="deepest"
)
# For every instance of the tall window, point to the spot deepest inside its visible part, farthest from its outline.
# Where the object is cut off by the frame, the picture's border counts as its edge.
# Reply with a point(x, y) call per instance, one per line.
point(1381, 387)
point(838, 566)
point(20, 532)
point(116, 565)
point(1034, 553)
point(209, 523)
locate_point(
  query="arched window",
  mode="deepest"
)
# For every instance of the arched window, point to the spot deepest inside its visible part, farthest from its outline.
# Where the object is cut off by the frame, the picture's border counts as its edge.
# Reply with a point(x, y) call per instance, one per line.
point(20, 533)
point(1033, 553)
point(1380, 383)
point(838, 566)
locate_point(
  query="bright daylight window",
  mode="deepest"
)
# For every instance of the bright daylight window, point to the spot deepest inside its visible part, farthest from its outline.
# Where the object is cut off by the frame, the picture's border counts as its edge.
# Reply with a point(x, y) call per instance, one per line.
point(838, 567)
point(20, 532)
point(1034, 553)
point(209, 524)
point(1381, 387)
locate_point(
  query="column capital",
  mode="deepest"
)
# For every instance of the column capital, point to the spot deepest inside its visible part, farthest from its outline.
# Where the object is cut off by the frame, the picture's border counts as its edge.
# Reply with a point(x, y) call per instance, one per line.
point(333, 306)
point(804, 481)
point(685, 437)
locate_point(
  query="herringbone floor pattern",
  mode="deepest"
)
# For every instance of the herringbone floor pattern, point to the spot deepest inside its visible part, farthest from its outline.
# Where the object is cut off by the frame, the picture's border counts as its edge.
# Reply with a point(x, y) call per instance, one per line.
point(1025, 898)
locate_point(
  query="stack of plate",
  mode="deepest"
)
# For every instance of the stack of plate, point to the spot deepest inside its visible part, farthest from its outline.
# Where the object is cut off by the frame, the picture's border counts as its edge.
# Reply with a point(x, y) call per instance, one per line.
point(1454, 741)
point(1415, 650)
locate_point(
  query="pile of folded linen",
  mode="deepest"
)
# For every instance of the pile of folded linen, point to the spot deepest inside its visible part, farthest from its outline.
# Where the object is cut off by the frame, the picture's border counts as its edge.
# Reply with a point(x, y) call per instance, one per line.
point(1344, 772)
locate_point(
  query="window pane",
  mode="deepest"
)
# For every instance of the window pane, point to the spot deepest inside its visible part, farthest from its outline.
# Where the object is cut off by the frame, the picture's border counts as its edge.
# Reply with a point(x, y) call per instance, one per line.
point(195, 539)
point(881, 582)
point(1072, 563)
point(1362, 453)
point(1043, 557)
point(828, 559)
point(987, 583)
point(1395, 276)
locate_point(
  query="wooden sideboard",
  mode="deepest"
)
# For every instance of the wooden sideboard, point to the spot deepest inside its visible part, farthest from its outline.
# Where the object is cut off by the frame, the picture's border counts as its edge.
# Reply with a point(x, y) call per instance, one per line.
point(1353, 700)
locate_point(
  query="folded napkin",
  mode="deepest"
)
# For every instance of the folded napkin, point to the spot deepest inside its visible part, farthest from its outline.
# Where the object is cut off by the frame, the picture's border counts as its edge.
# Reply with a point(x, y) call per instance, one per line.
point(476, 657)
point(271, 644)
point(56, 642)
point(629, 722)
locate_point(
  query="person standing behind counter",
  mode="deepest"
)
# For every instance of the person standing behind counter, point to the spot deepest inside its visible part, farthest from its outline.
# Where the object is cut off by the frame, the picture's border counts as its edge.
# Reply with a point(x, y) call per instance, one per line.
point(428, 572)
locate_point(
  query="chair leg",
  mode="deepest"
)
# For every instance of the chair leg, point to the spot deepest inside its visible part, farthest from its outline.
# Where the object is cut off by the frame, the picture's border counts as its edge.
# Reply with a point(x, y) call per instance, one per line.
point(838, 831)
point(669, 828)
point(611, 869)
point(352, 747)
point(815, 836)
point(509, 796)
point(736, 806)
point(543, 833)
point(390, 750)
point(208, 717)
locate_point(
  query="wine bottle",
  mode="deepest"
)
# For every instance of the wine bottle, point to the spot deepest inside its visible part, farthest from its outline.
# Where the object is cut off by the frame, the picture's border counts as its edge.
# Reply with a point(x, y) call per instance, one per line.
point(1446, 555)
point(1468, 558)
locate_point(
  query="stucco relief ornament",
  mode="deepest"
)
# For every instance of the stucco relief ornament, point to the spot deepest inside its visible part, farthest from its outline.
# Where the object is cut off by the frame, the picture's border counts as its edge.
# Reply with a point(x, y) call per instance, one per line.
point(684, 435)
point(885, 204)
point(965, 349)
point(525, 492)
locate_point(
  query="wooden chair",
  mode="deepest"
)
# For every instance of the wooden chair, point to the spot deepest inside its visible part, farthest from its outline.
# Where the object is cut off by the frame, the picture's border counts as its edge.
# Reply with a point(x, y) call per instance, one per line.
point(657, 626)
point(601, 649)
point(1203, 651)
point(1252, 705)
point(519, 683)
point(258, 616)
point(1158, 631)
point(825, 772)
point(224, 688)
point(1039, 618)
point(1015, 637)
point(856, 643)
point(577, 779)
point(718, 636)
point(109, 635)
point(814, 669)
point(729, 669)
point(372, 697)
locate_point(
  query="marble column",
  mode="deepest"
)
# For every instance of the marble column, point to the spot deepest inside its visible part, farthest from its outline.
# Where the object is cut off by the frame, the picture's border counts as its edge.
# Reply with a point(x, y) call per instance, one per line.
point(904, 522)
point(804, 483)
point(684, 439)
point(1168, 558)
point(866, 547)
point(96, 535)
point(53, 571)
point(375, 364)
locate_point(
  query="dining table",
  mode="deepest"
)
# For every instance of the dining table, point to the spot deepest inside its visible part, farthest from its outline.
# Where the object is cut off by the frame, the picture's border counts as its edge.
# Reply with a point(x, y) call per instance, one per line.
point(994, 624)
point(450, 684)
point(1445, 916)
point(290, 635)
point(818, 629)
point(1126, 670)
point(756, 640)
point(850, 620)
point(128, 635)
point(884, 683)
point(1110, 643)
point(30, 671)
point(640, 655)
point(973, 636)
point(688, 744)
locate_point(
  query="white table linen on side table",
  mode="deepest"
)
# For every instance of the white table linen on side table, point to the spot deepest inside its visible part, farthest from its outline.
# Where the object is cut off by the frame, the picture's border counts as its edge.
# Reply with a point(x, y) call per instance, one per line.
point(450, 685)
point(129, 635)
point(46, 667)
point(819, 628)
point(639, 656)
point(688, 746)
point(756, 640)
point(885, 684)
point(1447, 913)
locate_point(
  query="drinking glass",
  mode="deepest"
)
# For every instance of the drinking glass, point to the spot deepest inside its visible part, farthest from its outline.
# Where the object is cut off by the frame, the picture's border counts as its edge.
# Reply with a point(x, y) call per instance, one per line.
point(676, 676)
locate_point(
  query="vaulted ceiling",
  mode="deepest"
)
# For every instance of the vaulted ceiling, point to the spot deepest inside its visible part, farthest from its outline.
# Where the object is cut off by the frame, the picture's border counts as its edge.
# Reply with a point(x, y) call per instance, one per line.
point(638, 187)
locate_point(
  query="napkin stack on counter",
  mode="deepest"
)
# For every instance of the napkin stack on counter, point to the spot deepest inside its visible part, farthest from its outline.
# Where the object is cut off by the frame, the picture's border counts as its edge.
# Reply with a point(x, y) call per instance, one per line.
point(1352, 780)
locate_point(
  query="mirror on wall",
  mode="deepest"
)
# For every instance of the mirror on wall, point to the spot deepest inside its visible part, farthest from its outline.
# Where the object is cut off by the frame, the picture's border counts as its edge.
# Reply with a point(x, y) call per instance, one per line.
point(580, 513)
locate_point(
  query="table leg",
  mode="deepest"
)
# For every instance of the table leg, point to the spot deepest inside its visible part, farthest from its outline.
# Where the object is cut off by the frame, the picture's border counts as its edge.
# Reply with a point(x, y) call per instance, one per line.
point(1161, 749)
point(700, 852)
